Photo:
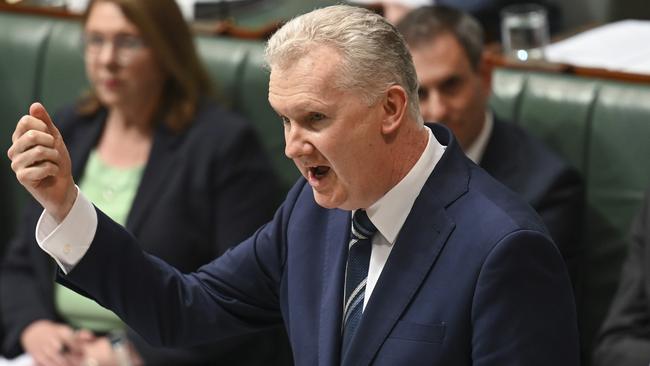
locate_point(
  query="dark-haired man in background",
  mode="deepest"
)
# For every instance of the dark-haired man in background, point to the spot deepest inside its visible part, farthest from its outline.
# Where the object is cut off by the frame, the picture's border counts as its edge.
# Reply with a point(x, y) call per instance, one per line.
point(447, 49)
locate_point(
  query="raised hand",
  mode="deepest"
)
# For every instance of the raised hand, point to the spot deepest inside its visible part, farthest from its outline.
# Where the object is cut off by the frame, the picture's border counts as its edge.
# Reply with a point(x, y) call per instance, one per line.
point(42, 163)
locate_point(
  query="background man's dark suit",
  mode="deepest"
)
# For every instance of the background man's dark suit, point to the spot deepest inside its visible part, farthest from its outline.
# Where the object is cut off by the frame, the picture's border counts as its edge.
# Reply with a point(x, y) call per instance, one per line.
point(625, 335)
point(185, 230)
point(473, 279)
point(554, 189)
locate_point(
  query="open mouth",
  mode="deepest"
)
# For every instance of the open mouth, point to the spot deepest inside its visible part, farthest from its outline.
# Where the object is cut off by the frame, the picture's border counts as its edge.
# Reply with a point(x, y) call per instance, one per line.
point(318, 172)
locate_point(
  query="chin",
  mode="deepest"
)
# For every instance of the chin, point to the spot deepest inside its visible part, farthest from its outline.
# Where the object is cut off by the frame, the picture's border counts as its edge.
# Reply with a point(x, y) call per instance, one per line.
point(108, 100)
point(328, 201)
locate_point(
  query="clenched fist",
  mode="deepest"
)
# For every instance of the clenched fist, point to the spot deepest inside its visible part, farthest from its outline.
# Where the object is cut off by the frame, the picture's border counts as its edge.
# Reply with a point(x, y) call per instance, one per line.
point(41, 162)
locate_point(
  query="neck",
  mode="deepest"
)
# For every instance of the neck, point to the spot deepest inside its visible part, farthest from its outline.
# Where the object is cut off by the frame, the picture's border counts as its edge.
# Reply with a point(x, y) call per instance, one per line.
point(135, 115)
point(127, 136)
point(130, 121)
point(407, 149)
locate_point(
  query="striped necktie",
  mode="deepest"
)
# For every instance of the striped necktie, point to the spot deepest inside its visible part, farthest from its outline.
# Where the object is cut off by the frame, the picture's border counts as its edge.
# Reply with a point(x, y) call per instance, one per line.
point(357, 274)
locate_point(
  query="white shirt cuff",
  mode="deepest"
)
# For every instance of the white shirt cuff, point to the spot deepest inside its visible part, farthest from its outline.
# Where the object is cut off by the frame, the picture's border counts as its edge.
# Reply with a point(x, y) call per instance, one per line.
point(68, 241)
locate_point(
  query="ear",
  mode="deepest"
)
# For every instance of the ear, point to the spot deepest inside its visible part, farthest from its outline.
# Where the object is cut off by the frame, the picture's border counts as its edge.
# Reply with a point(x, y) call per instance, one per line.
point(395, 106)
point(485, 68)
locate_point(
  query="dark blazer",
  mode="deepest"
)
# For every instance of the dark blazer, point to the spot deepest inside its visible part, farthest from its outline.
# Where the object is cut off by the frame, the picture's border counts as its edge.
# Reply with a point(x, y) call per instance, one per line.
point(202, 191)
point(555, 190)
point(624, 338)
point(473, 279)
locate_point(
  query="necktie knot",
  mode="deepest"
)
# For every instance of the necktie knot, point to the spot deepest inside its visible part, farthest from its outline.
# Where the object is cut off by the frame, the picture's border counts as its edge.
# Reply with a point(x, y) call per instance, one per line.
point(362, 227)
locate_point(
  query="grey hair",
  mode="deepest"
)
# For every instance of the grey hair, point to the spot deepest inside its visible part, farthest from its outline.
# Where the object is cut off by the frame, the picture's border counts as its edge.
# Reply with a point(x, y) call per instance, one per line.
point(424, 24)
point(374, 54)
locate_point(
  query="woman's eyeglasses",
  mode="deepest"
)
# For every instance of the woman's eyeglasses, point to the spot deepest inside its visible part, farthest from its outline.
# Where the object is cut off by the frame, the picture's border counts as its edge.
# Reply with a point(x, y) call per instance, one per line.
point(125, 46)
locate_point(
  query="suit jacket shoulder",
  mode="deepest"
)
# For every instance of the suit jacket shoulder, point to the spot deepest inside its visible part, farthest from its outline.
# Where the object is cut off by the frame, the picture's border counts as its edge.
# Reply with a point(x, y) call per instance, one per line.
point(523, 163)
point(550, 185)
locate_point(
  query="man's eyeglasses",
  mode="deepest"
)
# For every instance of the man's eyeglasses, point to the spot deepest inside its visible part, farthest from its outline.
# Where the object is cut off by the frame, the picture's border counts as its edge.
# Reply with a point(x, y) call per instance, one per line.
point(125, 46)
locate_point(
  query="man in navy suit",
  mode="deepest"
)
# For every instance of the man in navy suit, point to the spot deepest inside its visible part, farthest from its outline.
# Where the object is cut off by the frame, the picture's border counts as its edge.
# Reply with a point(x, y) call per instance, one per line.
point(447, 49)
point(447, 266)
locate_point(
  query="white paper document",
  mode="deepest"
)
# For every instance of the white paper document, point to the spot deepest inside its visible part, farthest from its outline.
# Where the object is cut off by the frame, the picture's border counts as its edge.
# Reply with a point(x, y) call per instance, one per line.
point(619, 46)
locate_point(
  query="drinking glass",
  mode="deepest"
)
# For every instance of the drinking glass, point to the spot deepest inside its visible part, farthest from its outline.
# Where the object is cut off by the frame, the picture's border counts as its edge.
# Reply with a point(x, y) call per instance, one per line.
point(524, 31)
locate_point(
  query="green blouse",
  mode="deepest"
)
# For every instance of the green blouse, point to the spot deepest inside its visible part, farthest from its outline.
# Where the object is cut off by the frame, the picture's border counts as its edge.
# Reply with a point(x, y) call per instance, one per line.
point(112, 190)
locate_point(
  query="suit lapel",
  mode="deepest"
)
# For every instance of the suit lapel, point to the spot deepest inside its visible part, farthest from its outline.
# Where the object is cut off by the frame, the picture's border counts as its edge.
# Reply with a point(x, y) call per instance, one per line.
point(418, 245)
point(161, 160)
point(329, 330)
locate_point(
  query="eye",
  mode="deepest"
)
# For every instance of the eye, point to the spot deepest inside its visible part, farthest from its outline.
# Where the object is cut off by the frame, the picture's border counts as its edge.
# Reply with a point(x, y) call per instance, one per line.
point(451, 85)
point(129, 42)
point(423, 94)
point(316, 116)
point(285, 120)
point(93, 40)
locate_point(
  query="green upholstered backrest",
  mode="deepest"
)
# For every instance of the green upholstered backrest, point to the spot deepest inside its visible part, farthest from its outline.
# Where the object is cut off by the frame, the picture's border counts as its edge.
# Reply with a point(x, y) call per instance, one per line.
point(63, 76)
point(603, 129)
point(242, 83)
point(22, 44)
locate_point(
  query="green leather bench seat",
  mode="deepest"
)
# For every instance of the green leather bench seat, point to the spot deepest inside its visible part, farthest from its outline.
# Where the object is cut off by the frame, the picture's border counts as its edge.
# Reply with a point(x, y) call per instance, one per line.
point(603, 129)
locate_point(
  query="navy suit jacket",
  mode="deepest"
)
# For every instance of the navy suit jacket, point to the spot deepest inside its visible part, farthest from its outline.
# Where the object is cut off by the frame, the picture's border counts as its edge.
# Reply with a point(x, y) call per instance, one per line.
point(473, 279)
point(192, 204)
point(551, 186)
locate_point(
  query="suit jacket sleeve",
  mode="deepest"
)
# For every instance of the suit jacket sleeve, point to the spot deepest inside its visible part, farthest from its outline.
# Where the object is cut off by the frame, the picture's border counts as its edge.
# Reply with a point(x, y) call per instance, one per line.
point(624, 338)
point(235, 294)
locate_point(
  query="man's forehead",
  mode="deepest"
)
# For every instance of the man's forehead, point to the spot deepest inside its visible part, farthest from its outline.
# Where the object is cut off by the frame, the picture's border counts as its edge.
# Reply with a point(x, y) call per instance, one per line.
point(317, 64)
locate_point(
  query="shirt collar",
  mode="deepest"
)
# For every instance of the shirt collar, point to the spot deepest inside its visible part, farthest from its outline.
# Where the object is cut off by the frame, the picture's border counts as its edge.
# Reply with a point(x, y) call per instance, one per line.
point(389, 213)
point(477, 149)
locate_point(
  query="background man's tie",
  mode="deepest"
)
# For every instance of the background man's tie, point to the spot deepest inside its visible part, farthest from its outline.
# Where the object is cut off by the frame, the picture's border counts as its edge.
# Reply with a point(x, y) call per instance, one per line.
point(357, 273)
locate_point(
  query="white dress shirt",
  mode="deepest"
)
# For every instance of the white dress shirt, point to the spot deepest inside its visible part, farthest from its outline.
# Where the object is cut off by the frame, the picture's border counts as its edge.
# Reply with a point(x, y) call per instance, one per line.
point(69, 241)
point(389, 213)
point(477, 149)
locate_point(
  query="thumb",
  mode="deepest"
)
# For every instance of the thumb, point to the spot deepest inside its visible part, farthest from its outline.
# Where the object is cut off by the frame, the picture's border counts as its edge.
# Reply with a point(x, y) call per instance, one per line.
point(37, 110)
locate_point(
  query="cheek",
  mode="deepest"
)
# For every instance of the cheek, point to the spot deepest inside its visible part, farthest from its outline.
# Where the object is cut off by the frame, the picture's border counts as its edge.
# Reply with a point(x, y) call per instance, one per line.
point(91, 70)
point(353, 163)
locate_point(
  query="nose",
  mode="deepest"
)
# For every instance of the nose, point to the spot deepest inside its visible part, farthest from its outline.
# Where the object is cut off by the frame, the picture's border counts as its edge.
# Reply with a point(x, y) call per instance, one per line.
point(295, 143)
point(108, 54)
point(434, 108)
